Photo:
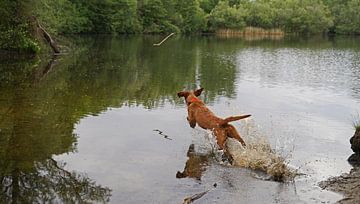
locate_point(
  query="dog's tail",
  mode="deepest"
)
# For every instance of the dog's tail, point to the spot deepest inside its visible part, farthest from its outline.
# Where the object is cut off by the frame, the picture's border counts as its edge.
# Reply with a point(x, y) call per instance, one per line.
point(233, 118)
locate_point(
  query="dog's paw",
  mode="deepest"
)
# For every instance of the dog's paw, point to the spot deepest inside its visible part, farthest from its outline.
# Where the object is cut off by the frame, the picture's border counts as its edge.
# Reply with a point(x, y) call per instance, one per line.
point(225, 158)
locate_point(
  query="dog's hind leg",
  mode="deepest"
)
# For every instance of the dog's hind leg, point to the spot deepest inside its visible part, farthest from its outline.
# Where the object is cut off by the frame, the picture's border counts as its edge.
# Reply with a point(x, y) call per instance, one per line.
point(220, 136)
point(233, 133)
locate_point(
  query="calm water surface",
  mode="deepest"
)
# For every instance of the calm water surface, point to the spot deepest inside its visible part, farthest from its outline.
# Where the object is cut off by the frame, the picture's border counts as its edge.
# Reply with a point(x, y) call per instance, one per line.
point(81, 127)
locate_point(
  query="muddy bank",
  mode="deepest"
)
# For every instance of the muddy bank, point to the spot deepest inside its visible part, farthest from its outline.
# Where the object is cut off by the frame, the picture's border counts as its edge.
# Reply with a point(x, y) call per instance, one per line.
point(347, 184)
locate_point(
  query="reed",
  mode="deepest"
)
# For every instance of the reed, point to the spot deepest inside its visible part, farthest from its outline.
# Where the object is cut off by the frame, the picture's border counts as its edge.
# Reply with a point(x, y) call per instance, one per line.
point(356, 124)
point(252, 33)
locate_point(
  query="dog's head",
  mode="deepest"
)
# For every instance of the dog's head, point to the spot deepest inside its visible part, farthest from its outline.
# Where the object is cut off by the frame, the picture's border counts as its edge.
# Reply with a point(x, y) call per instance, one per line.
point(190, 95)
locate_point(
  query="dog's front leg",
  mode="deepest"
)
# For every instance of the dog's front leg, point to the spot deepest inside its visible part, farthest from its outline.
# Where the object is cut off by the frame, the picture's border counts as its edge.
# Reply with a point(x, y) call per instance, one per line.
point(191, 118)
point(192, 123)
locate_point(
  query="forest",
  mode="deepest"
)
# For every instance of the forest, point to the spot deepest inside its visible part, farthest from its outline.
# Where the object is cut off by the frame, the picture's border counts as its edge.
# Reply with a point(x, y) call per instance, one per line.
point(21, 17)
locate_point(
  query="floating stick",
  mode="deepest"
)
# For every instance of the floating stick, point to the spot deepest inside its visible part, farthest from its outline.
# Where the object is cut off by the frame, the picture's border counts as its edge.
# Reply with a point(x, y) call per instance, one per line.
point(192, 198)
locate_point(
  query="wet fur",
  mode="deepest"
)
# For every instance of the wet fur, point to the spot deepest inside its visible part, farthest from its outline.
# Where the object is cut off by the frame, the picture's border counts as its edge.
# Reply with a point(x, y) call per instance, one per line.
point(199, 114)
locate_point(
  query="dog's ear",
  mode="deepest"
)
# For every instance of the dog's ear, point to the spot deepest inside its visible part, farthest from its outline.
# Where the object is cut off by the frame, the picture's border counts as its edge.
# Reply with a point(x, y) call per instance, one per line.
point(183, 94)
point(198, 92)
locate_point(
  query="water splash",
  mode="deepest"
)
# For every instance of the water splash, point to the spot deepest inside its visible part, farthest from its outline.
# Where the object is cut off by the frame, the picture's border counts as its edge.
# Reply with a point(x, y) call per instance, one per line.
point(260, 156)
point(257, 155)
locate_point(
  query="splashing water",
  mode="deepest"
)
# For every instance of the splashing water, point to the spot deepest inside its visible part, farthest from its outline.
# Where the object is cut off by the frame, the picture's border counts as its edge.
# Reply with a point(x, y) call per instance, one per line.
point(260, 156)
point(257, 155)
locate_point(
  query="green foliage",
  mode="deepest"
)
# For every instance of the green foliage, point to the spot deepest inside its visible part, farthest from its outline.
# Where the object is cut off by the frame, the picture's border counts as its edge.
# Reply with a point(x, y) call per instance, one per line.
point(356, 122)
point(125, 17)
point(62, 16)
point(346, 15)
point(208, 5)
point(15, 29)
point(357, 126)
point(303, 16)
point(100, 14)
point(154, 18)
point(225, 16)
point(260, 14)
point(164, 16)
point(192, 17)
point(17, 38)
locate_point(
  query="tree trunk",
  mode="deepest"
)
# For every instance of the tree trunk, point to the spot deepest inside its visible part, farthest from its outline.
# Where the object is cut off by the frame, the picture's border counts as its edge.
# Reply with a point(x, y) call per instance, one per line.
point(49, 39)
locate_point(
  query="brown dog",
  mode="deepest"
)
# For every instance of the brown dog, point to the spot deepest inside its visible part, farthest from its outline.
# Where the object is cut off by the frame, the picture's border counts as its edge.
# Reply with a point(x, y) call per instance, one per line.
point(199, 114)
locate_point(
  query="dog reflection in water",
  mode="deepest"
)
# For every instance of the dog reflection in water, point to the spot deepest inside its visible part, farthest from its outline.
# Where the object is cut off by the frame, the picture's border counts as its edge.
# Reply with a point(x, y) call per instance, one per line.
point(195, 165)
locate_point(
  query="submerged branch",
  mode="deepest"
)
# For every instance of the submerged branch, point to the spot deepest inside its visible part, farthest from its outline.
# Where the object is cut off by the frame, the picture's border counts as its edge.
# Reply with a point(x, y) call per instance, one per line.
point(158, 44)
point(161, 133)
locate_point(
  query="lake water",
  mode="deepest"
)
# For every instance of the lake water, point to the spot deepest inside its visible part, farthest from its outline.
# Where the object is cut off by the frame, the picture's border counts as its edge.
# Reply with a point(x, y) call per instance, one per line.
point(81, 127)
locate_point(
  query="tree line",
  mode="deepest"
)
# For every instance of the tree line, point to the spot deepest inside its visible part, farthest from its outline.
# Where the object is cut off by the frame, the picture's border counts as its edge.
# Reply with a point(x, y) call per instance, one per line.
point(165, 16)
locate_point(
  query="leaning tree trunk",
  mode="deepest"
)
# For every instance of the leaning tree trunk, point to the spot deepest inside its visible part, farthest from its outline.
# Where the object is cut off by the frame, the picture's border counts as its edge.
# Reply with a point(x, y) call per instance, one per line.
point(44, 34)
point(49, 39)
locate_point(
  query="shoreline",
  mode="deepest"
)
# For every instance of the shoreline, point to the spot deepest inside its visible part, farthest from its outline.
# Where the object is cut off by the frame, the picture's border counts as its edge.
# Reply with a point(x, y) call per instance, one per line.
point(347, 184)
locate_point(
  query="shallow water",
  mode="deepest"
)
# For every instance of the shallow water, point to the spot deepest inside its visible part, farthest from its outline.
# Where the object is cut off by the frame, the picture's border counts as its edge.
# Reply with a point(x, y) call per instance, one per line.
point(82, 128)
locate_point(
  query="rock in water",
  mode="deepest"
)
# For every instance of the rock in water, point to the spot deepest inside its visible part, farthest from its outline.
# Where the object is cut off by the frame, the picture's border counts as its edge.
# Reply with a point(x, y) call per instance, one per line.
point(355, 142)
point(354, 159)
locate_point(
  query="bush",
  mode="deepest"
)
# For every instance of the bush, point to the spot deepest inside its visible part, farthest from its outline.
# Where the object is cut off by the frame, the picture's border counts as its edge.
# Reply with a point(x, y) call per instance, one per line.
point(15, 29)
point(192, 17)
point(225, 16)
point(347, 17)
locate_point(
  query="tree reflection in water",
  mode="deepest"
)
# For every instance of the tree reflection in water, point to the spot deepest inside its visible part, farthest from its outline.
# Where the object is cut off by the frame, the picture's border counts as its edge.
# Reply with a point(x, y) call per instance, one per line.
point(40, 107)
point(35, 126)
point(48, 182)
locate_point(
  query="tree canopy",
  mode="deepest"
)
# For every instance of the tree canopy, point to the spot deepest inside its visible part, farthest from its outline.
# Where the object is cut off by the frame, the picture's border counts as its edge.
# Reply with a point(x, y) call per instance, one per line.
point(164, 16)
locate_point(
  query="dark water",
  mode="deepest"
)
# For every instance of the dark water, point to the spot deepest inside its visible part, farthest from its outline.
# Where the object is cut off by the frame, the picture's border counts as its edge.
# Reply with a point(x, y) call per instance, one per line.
point(81, 127)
